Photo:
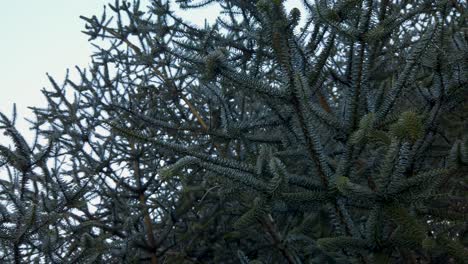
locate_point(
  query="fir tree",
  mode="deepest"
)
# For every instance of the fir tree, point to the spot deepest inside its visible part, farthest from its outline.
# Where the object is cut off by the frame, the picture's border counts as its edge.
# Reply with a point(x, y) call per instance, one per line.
point(253, 140)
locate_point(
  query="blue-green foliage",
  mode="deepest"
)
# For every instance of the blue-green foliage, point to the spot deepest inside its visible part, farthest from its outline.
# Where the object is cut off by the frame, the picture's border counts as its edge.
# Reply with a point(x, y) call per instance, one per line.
point(257, 139)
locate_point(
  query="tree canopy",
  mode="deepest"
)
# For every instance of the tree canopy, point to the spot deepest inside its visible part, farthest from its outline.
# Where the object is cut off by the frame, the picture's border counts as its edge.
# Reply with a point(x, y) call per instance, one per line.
point(256, 139)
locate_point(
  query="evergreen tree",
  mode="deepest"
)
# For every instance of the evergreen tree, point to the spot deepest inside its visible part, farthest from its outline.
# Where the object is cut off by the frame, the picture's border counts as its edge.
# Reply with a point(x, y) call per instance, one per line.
point(253, 140)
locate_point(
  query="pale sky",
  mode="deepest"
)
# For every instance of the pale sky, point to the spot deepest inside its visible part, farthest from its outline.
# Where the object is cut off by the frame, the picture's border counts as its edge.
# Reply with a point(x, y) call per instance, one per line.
point(40, 36)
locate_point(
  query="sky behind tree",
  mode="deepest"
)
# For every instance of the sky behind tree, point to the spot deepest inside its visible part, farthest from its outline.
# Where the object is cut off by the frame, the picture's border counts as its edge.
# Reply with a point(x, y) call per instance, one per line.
point(40, 37)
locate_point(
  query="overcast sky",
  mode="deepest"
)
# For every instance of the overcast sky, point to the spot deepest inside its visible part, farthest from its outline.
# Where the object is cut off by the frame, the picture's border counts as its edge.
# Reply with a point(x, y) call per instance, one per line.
point(40, 36)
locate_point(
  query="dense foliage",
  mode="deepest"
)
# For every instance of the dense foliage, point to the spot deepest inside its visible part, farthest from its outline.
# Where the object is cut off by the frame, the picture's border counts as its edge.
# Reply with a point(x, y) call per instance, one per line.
point(257, 139)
